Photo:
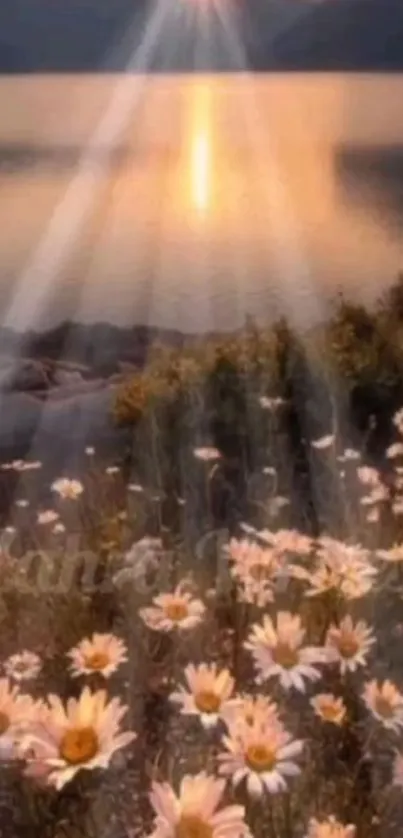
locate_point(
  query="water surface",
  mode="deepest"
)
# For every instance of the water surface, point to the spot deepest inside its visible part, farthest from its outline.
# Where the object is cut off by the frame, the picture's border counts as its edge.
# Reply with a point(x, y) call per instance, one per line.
point(219, 196)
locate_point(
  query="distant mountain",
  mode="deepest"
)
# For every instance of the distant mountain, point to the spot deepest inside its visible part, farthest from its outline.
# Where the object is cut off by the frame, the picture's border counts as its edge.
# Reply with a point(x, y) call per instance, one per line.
point(99, 35)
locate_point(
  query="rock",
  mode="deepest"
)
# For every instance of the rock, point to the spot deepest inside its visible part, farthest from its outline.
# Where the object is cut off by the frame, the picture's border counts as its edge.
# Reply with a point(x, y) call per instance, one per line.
point(24, 375)
point(64, 377)
point(57, 428)
point(19, 416)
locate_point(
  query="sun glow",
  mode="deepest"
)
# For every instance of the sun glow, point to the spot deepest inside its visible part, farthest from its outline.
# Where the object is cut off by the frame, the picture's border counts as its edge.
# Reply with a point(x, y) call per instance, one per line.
point(201, 153)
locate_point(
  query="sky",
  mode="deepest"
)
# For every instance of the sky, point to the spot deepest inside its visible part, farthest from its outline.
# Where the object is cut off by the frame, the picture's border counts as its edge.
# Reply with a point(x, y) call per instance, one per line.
point(100, 35)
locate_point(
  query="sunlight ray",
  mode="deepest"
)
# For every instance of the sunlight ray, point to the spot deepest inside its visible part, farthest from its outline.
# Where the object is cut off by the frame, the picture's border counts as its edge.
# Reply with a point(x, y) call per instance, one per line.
point(78, 200)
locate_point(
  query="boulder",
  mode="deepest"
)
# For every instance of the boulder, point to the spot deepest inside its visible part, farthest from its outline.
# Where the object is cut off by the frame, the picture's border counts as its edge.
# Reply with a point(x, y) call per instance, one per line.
point(19, 416)
point(24, 375)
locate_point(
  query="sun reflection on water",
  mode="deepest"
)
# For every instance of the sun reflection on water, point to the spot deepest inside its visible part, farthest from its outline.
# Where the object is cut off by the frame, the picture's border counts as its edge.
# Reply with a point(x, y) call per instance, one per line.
point(201, 152)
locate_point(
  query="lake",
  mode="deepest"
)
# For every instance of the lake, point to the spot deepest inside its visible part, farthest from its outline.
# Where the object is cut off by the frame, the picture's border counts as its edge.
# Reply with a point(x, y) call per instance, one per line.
point(191, 201)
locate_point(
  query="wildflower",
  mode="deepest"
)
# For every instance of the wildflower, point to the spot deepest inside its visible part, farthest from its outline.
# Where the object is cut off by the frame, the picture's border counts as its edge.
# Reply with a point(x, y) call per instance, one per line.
point(271, 402)
point(329, 708)
point(68, 489)
point(89, 451)
point(398, 418)
point(209, 690)
point(373, 516)
point(269, 470)
point(290, 541)
point(397, 506)
point(349, 644)
point(22, 503)
point(250, 711)
point(349, 454)
point(195, 812)
point(59, 528)
point(135, 487)
point(395, 450)
point(368, 476)
point(101, 654)
point(323, 442)
point(255, 569)
point(342, 567)
point(30, 465)
point(329, 828)
point(262, 757)
point(83, 735)
point(394, 554)
point(385, 702)
point(278, 651)
point(23, 666)
point(207, 454)
point(378, 494)
point(47, 517)
point(178, 610)
point(17, 713)
point(110, 470)
point(143, 557)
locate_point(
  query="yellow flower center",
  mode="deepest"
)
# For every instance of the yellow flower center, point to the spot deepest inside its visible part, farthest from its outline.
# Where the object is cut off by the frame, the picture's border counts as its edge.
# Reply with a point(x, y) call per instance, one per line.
point(260, 572)
point(79, 745)
point(331, 712)
point(4, 723)
point(97, 661)
point(383, 707)
point(207, 702)
point(177, 610)
point(260, 758)
point(348, 645)
point(192, 826)
point(285, 656)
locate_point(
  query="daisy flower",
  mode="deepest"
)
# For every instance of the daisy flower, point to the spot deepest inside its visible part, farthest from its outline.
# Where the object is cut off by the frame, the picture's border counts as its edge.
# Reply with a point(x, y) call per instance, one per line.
point(17, 713)
point(394, 554)
point(207, 694)
point(323, 442)
point(49, 516)
point(271, 402)
point(329, 708)
point(349, 454)
point(83, 735)
point(288, 541)
point(398, 418)
point(349, 644)
point(178, 610)
point(251, 711)
point(368, 476)
point(385, 702)
point(329, 828)
point(59, 528)
point(101, 654)
point(207, 454)
point(195, 812)
point(278, 651)
point(342, 567)
point(23, 666)
point(68, 489)
point(262, 757)
point(255, 569)
point(395, 450)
